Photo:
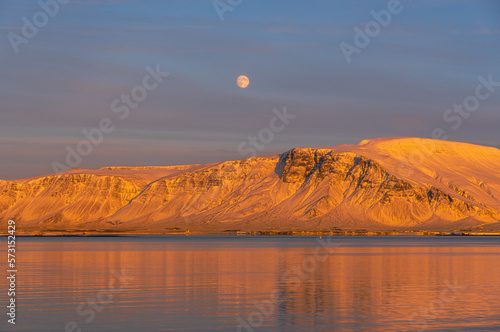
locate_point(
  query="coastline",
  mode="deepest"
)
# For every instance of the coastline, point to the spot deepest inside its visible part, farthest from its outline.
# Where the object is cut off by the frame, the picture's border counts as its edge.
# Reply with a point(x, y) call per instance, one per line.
point(251, 233)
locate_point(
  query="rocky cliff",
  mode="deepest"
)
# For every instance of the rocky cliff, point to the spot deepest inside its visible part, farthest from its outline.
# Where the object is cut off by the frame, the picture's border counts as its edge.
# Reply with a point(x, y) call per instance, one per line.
point(381, 184)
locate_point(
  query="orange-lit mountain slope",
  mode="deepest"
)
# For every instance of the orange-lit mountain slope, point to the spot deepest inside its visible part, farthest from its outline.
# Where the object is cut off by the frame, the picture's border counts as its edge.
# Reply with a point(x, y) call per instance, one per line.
point(379, 184)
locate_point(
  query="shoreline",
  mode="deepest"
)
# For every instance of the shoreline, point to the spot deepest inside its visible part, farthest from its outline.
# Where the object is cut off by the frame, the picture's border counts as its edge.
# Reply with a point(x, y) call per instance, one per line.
point(253, 233)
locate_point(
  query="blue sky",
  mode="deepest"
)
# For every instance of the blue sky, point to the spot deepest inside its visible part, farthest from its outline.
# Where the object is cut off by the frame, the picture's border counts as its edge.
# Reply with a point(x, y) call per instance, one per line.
point(66, 77)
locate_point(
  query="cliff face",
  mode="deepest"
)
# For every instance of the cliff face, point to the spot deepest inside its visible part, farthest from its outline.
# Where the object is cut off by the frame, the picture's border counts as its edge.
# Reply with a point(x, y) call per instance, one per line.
point(401, 183)
point(67, 197)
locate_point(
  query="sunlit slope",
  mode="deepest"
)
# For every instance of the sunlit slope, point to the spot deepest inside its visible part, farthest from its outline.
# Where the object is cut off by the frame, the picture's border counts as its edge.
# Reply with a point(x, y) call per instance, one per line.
point(72, 197)
point(390, 183)
point(470, 171)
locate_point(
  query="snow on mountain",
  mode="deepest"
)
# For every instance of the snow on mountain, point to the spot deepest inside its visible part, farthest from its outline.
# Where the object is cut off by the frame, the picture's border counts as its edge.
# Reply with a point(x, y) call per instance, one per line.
point(379, 184)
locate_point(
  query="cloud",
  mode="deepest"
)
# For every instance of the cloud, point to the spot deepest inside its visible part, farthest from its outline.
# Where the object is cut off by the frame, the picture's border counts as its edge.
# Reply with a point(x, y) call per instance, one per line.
point(487, 31)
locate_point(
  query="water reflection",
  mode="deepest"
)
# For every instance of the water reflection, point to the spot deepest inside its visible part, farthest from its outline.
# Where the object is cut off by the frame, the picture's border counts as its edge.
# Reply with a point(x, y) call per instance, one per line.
point(261, 284)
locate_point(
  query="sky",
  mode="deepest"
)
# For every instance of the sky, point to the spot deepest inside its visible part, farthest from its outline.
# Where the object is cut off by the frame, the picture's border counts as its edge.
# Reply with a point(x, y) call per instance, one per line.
point(69, 76)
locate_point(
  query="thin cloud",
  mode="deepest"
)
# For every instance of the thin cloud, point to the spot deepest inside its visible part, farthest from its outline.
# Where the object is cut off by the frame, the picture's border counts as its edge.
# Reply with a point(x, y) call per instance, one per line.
point(487, 31)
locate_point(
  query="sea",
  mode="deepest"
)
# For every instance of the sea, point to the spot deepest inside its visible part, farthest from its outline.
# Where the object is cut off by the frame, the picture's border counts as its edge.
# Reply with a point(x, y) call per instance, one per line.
point(254, 283)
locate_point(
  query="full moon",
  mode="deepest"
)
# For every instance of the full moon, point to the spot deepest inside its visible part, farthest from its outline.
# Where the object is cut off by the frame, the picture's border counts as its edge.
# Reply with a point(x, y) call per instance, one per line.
point(243, 81)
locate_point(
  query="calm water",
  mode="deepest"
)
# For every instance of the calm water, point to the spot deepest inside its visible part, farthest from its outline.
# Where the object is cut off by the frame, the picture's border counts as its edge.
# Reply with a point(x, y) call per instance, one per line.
point(258, 283)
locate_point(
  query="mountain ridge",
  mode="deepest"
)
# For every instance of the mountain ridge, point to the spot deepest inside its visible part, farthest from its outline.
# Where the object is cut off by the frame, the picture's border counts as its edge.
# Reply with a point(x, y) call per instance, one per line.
point(378, 184)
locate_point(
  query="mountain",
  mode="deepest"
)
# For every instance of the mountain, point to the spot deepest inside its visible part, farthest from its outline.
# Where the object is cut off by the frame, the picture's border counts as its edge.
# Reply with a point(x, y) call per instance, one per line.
point(378, 184)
